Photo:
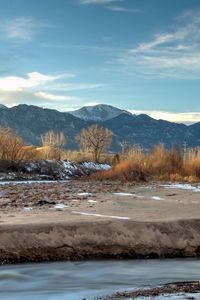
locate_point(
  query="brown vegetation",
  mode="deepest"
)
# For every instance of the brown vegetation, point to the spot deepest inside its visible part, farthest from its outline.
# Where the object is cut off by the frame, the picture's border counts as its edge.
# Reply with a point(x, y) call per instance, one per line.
point(53, 144)
point(160, 164)
point(11, 145)
point(133, 165)
point(95, 140)
point(85, 156)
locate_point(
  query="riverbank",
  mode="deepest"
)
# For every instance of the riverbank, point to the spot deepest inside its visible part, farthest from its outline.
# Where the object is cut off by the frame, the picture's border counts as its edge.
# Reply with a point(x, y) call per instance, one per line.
point(88, 220)
point(178, 288)
point(98, 239)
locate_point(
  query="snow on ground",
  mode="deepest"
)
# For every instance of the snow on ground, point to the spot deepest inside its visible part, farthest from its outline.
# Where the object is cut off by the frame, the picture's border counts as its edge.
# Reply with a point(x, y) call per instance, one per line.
point(30, 182)
point(60, 206)
point(28, 208)
point(68, 166)
point(127, 194)
point(182, 186)
point(95, 166)
point(157, 198)
point(123, 194)
point(47, 170)
point(84, 194)
point(92, 201)
point(99, 215)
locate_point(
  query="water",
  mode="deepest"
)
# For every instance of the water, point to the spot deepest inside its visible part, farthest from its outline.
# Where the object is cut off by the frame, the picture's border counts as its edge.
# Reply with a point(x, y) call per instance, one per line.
point(87, 279)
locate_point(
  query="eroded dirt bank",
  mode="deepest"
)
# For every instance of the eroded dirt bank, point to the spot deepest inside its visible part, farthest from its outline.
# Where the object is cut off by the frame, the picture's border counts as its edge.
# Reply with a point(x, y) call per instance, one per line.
point(99, 239)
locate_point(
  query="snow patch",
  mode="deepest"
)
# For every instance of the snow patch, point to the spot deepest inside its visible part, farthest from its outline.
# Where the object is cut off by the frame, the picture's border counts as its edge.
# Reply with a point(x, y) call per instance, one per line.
point(92, 201)
point(60, 206)
point(157, 198)
point(30, 182)
point(123, 194)
point(127, 194)
point(99, 215)
point(28, 208)
point(69, 168)
point(182, 186)
point(95, 166)
point(84, 194)
point(37, 170)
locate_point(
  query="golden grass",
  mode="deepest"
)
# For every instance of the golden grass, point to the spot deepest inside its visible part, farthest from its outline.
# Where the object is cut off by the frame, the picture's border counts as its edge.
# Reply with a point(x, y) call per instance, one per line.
point(83, 156)
point(161, 164)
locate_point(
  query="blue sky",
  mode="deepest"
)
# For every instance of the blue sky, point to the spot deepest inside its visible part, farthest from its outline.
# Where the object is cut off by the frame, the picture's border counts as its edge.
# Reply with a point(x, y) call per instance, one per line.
point(139, 55)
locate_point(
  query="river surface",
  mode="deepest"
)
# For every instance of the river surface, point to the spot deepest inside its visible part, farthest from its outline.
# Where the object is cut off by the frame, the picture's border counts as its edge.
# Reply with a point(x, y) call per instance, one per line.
point(89, 279)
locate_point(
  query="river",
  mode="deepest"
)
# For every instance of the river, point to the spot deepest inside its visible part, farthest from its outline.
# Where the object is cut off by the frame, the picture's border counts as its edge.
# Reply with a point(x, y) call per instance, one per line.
point(89, 279)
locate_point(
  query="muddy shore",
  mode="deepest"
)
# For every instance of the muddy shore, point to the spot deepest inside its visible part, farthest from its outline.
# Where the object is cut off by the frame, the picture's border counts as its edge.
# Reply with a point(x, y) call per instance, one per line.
point(97, 220)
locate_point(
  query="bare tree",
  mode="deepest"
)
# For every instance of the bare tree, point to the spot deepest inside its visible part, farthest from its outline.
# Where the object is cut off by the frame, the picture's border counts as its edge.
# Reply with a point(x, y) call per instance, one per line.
point(11, 145)
point(53, 144)
point(95, 139)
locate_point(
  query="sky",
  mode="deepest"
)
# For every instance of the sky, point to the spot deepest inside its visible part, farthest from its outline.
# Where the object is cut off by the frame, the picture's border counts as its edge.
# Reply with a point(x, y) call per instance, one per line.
point(138, 55)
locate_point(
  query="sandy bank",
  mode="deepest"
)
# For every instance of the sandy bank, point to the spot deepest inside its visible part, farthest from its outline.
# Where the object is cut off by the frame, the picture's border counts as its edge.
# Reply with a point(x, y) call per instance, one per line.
point(98, 220)
point(99, 239)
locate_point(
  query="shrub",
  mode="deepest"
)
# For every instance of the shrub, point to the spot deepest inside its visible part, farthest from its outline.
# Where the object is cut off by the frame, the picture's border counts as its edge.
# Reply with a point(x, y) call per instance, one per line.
point(161, 164)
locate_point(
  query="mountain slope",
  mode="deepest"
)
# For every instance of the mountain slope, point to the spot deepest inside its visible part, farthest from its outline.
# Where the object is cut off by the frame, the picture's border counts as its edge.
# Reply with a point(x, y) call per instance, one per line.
point(195, 131)
point(30, 122)
point(146, 131)
point(2, 106)
point(98, 113)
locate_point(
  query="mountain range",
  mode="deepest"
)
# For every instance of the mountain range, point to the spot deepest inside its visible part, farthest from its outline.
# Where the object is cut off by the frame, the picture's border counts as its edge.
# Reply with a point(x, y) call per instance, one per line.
point(30, 122)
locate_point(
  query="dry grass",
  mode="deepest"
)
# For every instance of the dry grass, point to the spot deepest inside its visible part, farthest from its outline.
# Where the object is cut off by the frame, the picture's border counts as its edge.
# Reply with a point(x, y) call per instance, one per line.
point(161, 164)
point(83, 156)
point(123, 171)
point(136, 165)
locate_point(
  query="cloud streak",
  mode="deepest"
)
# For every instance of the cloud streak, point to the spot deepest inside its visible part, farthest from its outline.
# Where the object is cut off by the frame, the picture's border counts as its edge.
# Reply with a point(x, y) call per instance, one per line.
point(185, 117)
point(53, 97)
point(118, 8)
point(22, 28)
point(112, 5)
point(173, 54)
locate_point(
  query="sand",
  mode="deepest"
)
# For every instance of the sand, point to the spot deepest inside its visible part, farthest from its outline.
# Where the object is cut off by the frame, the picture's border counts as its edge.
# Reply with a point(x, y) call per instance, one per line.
point(97, 220)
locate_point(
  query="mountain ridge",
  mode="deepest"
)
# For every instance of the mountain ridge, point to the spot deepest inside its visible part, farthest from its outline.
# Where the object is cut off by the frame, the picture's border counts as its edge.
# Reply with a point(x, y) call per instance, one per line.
point(30, 122)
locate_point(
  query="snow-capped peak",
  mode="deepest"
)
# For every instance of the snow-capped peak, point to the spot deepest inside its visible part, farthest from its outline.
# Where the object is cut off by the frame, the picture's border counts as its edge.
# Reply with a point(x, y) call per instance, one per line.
point(100, 112)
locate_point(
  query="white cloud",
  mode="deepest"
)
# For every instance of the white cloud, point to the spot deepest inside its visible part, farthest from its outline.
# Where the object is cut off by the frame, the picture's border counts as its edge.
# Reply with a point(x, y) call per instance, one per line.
point(118, 8)
point(22, 28)
point(53, 97)
point(31, 80)
point(186, 118)
point(174, 54)
point(48, 100)
point(36, 80)
point(45, 90)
